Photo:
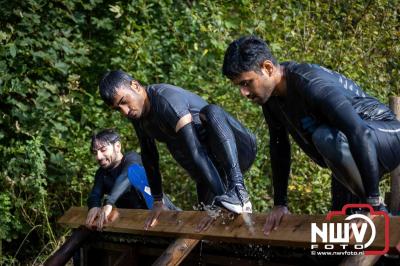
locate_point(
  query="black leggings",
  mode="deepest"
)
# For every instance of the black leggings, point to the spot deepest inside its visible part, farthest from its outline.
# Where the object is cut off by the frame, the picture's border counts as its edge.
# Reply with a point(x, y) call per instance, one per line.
point(334, 147)
point(231, 147)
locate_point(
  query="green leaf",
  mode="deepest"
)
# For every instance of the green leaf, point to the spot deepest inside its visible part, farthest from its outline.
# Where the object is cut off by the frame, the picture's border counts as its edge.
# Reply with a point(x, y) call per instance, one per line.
point(13, 50)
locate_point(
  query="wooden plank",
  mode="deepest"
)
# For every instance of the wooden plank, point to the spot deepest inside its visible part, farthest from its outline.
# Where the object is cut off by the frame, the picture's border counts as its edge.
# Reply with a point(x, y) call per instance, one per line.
point(176, 252)
point(295, 230)
point(360, 260)
point(395, 174)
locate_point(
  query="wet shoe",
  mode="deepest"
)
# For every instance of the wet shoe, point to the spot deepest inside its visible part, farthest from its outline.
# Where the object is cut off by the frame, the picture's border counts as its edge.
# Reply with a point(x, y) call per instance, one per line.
point(235, 200)
point(377, 204)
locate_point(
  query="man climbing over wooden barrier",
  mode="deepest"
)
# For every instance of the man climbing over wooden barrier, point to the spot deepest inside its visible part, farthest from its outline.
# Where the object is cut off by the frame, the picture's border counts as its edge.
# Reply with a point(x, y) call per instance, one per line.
point(329, 116)
point(212, 146)
point(121, 178)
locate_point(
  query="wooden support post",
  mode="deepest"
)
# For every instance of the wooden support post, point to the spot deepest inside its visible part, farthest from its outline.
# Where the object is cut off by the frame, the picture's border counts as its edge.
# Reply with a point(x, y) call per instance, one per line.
point(67, 250)
point(176, 252)
point(395, 175)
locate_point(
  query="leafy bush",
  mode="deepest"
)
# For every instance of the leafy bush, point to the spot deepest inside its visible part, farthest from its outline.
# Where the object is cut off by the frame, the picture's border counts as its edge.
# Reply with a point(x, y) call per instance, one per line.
point(53, 53)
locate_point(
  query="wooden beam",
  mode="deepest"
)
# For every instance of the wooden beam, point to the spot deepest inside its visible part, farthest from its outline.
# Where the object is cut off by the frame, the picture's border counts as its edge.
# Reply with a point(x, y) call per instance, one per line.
point(360, 260)
point(395, 174)
point(294, 231)
point(176, 252)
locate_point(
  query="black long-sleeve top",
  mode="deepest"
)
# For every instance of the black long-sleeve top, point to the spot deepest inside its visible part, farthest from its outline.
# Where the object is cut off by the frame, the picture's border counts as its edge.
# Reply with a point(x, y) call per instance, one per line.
point(316, 95)
point(168, 104)
point(115, 184)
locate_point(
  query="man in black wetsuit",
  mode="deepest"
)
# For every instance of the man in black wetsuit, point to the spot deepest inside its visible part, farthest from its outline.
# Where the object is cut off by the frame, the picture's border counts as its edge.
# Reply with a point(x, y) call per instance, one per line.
point(213, 147)
point(120, 176)
point(335, 123)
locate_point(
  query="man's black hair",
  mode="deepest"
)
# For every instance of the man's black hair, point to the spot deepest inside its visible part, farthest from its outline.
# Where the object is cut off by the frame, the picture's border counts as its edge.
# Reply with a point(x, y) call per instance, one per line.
point(246, 54)
point(106, 137)
point(110, 82)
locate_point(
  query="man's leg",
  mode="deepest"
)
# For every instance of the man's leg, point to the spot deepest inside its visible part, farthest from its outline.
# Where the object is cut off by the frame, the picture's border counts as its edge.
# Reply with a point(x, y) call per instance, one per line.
point(334, 148)
point(341, 195)
point(204, 192)
point(225, 138)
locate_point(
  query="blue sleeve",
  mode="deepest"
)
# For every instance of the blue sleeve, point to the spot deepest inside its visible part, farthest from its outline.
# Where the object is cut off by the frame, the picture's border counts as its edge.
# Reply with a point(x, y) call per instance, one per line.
point(138, 179)
point(122, 183)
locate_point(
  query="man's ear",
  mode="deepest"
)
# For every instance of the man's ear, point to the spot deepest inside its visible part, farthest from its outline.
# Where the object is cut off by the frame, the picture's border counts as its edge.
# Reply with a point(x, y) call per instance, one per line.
point(117, 146)
point(135, 86)
point(267, 67)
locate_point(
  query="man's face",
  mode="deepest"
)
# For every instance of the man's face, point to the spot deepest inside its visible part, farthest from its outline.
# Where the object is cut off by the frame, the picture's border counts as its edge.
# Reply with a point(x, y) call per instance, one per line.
point(129, 102)
point(106, 154)
point(256, 86)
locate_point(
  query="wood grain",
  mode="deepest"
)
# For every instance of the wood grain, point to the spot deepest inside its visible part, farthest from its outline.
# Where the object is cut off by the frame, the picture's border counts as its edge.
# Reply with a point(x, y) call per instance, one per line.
point(294, 231)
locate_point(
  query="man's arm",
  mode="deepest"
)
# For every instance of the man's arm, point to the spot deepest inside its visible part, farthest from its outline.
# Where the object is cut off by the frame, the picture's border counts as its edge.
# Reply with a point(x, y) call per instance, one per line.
point(96, 195)
point(150, 161)
point(94, 199)
point(280, 164)
point(280, 158)
point(122, 184)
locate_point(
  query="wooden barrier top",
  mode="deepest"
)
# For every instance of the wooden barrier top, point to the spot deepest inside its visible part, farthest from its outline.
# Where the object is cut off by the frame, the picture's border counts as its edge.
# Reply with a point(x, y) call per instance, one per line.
point(294, 231)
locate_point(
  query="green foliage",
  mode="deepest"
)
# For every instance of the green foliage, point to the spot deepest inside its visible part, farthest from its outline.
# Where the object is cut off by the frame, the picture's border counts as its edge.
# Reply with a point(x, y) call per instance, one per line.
point(53, 53)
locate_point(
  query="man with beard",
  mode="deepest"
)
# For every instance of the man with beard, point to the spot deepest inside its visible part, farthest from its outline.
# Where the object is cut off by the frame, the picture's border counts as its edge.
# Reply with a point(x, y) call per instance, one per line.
point(120, 176)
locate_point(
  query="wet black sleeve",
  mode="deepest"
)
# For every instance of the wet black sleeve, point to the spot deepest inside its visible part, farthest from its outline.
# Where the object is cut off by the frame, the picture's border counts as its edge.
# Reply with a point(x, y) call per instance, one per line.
point(327, 98)
point(280, 157)
point(150, 161)
point(122, 183)
point(205, 167)
point(97, 193)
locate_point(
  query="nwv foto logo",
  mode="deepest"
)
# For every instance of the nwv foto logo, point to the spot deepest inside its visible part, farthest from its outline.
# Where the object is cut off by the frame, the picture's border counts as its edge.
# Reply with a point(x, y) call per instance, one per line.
point(337, 235)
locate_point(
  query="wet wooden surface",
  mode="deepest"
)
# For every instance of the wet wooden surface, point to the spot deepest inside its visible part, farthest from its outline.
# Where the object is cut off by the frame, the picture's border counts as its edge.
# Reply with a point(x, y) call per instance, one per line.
point(295, 230)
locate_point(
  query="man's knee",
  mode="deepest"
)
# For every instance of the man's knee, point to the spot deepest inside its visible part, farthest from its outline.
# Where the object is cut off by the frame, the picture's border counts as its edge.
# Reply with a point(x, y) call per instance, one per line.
point(210, 112)
point(322, 138)
point(330, 143)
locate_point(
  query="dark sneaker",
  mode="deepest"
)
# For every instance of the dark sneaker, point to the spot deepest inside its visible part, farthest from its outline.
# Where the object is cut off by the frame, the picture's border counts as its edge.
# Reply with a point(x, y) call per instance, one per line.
point(377, 204)
point(235, 200)
point(381, 207)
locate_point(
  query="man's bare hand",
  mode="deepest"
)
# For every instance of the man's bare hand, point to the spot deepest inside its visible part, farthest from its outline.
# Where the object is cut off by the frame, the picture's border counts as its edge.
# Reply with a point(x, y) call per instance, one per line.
point(103, 216)
point(151, 220)
point(274, 218)
point(358, 222)
point(92, 214)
